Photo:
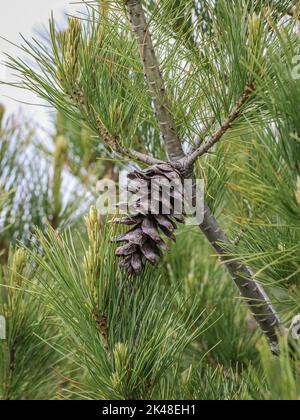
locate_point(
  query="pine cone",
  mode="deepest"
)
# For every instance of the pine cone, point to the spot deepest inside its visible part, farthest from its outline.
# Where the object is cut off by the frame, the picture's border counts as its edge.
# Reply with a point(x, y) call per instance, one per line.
point(156, 211)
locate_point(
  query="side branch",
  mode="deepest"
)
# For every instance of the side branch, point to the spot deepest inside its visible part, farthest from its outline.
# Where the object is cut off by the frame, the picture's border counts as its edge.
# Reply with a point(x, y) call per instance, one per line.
point(115, 144)
point(217, 136)
point(202, 136)
point(141, 157)
point(155, 81)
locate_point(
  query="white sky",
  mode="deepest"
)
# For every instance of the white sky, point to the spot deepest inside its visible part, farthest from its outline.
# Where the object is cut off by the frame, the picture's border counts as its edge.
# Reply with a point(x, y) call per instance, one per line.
point(26, 17)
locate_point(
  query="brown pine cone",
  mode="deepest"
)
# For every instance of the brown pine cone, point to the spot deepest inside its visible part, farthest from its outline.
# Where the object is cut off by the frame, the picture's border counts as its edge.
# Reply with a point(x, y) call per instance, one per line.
point(156, 211)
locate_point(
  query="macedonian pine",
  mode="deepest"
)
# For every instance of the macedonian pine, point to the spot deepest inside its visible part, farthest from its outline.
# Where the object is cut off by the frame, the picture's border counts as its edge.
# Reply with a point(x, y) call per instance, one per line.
point(157, 206)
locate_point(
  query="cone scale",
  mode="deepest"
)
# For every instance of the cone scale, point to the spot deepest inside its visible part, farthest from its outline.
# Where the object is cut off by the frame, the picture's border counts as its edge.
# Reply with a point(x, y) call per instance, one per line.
point(155, 216)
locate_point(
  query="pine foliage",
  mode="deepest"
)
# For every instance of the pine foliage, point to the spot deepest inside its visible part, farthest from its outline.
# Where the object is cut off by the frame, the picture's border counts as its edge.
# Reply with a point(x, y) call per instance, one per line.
point(78, 327)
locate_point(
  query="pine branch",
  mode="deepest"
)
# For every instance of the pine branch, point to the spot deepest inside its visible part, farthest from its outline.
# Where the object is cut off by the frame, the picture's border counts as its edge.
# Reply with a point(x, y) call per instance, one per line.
point(148, 160)
point(254, 294)
point(218, 135)
point(201, 136)
point(251, 291)
point(155, 81)
point(116, 145)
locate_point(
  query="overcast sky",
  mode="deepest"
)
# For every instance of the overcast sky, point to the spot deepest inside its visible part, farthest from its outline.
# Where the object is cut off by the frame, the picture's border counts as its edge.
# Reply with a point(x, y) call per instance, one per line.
point(26, 17)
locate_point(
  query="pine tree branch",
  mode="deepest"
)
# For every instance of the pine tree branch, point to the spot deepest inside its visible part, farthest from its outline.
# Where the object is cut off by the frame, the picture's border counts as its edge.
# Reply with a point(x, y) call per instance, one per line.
point(218, 135)
point(155, 81)
point(114, 141)
point(148, 160)
point(116, 145)
point(251, 291)
point(202, 136)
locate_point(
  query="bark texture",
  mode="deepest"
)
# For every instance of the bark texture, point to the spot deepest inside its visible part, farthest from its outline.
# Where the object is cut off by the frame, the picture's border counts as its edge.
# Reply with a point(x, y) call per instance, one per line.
point(154, 78)
point(254, 294)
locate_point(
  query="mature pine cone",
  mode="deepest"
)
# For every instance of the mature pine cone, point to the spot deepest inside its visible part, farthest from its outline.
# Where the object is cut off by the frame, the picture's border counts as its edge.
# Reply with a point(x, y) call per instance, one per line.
point(156, 211)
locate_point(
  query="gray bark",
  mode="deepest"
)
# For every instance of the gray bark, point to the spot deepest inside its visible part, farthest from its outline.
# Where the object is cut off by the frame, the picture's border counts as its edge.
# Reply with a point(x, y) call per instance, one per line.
point(250, 290)
point(154, 78)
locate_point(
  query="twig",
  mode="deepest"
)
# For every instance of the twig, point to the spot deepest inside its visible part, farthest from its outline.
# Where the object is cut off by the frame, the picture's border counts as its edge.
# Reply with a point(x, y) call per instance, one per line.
point(116, 145)
point(199, 139)
point(113, 141)
point(148, 160)
point(218, 135)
